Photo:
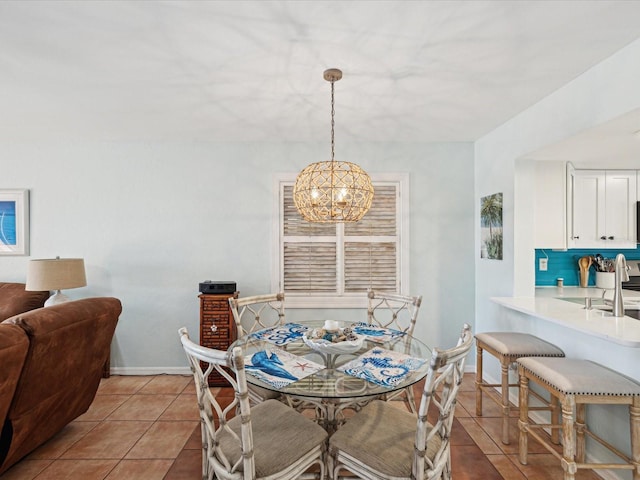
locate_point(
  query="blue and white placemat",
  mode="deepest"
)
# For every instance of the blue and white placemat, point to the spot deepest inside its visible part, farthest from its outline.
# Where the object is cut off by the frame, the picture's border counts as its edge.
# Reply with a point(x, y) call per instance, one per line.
point(282, 334)
point(376, 333)
point(278, 367)
point(382, 367)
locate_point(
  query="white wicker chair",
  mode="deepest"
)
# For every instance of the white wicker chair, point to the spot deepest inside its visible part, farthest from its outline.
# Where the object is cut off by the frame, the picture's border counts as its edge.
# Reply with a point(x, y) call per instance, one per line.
point(255, 313)
point(382, 442)
point(399, 312)
point(268, 442)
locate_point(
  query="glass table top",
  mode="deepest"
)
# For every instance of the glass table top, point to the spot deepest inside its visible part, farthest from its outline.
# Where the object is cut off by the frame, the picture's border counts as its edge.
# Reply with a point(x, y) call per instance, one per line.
point(387, 360)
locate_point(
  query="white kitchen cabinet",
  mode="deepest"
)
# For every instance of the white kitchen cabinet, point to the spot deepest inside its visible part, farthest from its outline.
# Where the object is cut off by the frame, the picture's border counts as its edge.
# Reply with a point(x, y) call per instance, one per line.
point(550, 205)
point(603, 209)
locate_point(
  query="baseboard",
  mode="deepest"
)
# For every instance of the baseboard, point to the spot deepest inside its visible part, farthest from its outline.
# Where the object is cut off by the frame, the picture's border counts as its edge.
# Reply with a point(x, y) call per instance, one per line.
point(150, 371)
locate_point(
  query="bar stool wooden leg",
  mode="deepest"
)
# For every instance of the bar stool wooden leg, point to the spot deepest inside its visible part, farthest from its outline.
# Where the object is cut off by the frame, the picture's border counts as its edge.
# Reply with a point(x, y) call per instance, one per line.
point(581, 452)
point(505, 401)
point(554, 403)
point(634, 414)
point(478, 381)
point(568, 437)
point(523, 401)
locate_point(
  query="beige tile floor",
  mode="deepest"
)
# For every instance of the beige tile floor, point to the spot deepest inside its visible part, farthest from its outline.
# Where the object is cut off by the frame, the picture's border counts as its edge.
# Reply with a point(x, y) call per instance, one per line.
point(146, 428)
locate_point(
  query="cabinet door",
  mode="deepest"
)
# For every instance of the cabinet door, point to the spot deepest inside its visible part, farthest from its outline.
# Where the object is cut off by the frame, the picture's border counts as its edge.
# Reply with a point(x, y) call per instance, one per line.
point(620, 215)
point(604, 209)
point(588, 208)
point(550, 200)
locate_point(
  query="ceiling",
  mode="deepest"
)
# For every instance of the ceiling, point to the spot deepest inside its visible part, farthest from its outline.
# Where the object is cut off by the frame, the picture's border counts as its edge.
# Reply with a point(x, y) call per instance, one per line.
point(616, 143)
point(252, 70)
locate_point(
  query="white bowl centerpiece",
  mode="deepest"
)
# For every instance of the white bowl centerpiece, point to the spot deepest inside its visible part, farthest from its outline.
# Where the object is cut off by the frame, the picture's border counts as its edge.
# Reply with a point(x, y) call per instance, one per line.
point(333, 340)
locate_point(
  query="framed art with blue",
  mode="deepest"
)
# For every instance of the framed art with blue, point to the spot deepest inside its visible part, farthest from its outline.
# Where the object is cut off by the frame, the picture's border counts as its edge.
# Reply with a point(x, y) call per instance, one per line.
point(14, 222)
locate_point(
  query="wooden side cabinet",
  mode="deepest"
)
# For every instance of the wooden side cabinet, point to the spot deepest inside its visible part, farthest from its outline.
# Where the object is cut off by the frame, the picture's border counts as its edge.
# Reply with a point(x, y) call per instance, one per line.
point(217, 327)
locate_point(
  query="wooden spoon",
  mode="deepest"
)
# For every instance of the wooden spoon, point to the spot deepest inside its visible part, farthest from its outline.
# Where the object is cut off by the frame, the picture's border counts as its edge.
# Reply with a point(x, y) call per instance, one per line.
point(585, 264)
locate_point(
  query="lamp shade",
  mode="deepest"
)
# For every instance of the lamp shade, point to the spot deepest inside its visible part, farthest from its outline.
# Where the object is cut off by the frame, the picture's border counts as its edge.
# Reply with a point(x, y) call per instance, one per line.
point(56, 274)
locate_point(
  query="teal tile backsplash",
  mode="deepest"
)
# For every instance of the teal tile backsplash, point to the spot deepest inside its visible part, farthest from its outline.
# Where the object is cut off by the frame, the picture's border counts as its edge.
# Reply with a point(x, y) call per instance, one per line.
point(564, 264)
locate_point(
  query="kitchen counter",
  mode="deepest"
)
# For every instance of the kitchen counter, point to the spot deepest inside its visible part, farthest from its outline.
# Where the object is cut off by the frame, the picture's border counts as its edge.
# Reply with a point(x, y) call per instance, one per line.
point(548, 305)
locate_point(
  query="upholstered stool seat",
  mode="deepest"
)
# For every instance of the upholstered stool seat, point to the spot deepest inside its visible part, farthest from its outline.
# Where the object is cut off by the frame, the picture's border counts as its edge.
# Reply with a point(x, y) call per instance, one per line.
point(575, 384)
point(507, 347)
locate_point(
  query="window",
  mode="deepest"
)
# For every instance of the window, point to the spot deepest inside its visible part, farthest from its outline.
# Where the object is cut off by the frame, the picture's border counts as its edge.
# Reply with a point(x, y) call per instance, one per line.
point(335, 264)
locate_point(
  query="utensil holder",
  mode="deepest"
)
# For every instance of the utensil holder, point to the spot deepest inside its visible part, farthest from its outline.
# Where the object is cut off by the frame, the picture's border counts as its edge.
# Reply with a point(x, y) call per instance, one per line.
point(606, 280)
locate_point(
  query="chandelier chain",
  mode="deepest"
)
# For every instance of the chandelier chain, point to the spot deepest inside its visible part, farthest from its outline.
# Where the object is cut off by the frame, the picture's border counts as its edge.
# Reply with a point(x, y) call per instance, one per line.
point(333, 114)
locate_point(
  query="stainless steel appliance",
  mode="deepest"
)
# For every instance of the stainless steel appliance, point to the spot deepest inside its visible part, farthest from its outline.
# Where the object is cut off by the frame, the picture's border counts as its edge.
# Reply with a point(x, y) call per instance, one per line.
point(632, 309)
point(634, 276)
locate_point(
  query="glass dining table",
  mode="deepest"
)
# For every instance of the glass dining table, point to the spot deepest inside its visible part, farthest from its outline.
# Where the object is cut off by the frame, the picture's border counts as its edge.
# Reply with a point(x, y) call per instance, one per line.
point(329, 377)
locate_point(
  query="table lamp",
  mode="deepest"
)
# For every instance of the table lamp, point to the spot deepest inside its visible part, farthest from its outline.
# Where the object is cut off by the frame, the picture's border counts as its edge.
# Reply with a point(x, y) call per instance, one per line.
point(55, 274)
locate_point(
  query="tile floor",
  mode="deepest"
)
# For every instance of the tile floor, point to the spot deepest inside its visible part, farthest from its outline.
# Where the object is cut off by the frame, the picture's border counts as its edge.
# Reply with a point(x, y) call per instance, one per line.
point(146, 428)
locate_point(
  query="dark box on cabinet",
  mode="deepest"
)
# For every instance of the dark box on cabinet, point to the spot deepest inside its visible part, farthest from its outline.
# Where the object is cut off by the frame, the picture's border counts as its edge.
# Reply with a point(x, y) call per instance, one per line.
point(209, 286)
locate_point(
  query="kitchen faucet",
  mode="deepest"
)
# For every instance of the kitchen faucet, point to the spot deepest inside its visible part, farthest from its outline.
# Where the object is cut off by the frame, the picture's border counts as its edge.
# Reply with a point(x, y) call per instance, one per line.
point(622, 275)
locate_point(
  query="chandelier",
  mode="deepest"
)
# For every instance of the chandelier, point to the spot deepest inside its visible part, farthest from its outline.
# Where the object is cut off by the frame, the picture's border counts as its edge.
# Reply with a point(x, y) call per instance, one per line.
point(330, 191)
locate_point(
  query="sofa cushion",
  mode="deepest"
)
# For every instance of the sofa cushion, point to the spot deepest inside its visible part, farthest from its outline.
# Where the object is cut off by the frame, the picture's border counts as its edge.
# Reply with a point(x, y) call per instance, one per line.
point(14, 299)
point(68, 345)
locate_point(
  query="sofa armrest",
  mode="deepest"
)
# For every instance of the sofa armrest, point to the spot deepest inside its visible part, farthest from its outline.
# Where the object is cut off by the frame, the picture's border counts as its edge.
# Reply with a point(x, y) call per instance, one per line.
point(68, 346)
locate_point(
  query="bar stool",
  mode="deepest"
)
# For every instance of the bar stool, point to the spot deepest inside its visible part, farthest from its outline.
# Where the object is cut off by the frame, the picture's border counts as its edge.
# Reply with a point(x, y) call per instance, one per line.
point(507, 347)
point(576, 384)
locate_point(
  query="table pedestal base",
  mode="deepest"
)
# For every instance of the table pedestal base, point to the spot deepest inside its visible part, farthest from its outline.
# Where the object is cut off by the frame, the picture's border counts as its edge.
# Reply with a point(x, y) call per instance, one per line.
point(329, 412)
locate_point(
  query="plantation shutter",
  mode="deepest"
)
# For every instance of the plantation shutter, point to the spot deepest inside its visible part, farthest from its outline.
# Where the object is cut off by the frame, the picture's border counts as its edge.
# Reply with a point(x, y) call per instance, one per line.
point(370, 246)
point(346, 258)
point(309, 252)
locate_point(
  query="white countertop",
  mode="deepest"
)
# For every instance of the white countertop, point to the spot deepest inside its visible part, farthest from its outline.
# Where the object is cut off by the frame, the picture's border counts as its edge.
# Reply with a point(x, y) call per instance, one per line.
point(547, 305)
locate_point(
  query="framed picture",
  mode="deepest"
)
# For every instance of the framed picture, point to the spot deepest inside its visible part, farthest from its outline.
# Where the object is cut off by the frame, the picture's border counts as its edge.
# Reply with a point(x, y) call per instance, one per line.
point(491, 226)
point(14, 222)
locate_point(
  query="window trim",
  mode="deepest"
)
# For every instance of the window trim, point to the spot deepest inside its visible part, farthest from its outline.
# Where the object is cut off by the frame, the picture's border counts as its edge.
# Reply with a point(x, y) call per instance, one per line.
point(346, 300)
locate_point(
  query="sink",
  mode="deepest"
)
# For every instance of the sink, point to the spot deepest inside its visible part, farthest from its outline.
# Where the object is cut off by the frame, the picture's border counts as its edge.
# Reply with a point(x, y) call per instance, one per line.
point(595, 301)
point(627, 312)
point(633, 314)
point(632, 304)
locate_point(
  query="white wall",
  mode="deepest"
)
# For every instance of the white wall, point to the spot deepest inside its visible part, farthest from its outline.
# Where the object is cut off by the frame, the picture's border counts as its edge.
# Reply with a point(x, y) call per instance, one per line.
point(607, 91)
point(152, 220)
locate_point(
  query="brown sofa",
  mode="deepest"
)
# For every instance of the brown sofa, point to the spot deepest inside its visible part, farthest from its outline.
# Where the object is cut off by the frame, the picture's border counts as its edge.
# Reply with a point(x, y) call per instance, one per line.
point(52, 360)
point(14, 299)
